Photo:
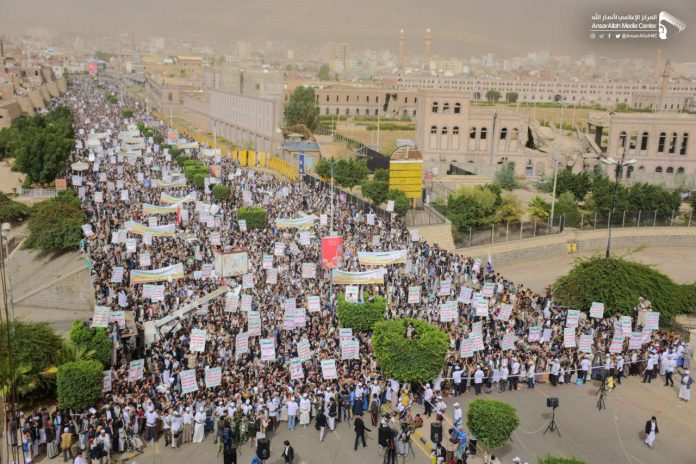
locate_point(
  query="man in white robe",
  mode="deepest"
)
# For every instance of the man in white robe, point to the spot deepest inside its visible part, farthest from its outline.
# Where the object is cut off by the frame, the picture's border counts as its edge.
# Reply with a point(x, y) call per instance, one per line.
point(651, 431)
point(199, 426)
point(685, 387)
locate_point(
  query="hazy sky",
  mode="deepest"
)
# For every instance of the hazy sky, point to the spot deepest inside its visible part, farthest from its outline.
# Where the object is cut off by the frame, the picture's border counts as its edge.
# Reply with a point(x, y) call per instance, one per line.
point(459, 27)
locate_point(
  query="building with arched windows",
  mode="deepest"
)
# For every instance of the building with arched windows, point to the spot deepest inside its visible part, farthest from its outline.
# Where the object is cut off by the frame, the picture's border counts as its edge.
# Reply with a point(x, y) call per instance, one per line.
point(450, 131)
point(661, 143)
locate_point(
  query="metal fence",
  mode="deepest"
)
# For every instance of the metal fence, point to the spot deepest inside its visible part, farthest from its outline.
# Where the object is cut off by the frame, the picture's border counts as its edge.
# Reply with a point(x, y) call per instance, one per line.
point(343, 196)
point(375, 159)
point(629, 219)
point(505, 232)
point(39, 193)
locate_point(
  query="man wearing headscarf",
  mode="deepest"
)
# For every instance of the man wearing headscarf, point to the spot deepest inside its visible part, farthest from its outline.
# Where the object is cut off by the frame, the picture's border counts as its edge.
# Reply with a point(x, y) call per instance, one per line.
point(199, 426)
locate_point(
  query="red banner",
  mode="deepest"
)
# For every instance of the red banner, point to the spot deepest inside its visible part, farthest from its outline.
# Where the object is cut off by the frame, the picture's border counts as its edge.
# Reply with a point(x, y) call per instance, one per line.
point(331, 252)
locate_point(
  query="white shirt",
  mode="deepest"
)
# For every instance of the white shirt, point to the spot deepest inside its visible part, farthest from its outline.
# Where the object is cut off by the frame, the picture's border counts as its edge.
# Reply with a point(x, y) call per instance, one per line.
point(151, 418)
point(292, 408)
point(478, 376)
point(457, 414)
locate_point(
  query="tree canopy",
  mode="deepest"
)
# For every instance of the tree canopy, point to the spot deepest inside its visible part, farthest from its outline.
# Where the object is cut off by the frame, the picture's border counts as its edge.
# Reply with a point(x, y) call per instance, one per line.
point(493, 96)
point(93, 338)
point(375, 190)
point(79, 384)
point(41, 144)
point(12, 211)
point(492, 422)
point(350, 172)
point(473, 206)
point(302, 108)
point(360, 316)
point(55, 225)
point(619, 283)
point(401, 201)
point(416, 359)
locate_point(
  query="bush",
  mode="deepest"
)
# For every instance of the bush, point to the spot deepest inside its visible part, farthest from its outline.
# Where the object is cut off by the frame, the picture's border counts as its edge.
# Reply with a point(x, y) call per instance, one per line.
point(79, 384)
point(417, 359)
point(505, 177)
point(401, 201)
point(472, 207)
point(381, 174)
point(68, 197)
point(539, 209)
point(567, 206)
point(35, 346)
point(111, 98)
point(348, 173)
point(510, 209)
point(619, 283)
point(559, 460)
point(55, 226)
point(323, 168)
point(375, 190)
point(221, 192)
point(360, 317)
point(12, 211)
point(158, 138)
point(127, 113)
point(254, 216)
point(199, 179)
point(94, 338)
point(492, 422)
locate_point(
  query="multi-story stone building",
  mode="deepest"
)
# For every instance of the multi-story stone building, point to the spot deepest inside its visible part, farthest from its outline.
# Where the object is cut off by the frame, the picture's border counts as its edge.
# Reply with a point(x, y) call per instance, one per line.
point(449, 131)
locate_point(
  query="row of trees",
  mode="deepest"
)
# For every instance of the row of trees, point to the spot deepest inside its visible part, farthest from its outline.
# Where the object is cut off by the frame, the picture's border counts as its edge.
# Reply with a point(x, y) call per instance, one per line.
point(40, 145)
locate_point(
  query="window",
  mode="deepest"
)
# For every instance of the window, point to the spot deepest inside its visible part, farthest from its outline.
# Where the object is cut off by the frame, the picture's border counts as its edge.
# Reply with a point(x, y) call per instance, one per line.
point(434, 107)
point(455, 130)
point(673, 143)
point(680, 170)
point(632, 142)
point(376, 99)
point(472, 133)
point(484, 133)
point(433, 130)
point(629, 171)
point(684, 144)
point(357, 98)
point(515, 134)
point(444, 130)
point(368, 99)
point(405, 99)
point(327, 111)
point(658, 170)
point(357, 110)
point(503, 133)
point(445, 107)
point(661, 143)
point(670, 170)
point(347, 97)
point(622, 139)
point(457, 108)
point(347, 111)
point(644, 141)
point(327, 98)
point(367, 111)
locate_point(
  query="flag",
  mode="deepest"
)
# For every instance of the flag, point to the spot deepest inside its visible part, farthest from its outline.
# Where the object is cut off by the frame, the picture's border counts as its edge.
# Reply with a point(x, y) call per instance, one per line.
point(178, 214)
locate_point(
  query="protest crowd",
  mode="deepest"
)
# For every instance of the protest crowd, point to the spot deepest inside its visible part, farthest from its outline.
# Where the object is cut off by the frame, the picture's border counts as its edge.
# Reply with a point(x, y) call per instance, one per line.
point(270, 350)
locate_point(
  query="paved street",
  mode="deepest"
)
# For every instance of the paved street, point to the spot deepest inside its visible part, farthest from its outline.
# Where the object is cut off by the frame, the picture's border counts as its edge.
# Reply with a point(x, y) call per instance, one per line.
point(613, 435)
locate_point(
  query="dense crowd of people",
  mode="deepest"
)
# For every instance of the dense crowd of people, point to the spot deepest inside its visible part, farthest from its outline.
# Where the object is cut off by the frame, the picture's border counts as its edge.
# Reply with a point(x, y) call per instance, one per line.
point(255, 396)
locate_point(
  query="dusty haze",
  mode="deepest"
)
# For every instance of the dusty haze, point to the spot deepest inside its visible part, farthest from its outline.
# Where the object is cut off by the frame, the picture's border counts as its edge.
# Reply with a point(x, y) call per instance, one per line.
point(460, 27)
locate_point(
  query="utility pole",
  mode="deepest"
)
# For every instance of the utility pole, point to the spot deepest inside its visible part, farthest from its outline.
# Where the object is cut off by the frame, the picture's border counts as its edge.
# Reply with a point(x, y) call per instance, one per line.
point(492, 141)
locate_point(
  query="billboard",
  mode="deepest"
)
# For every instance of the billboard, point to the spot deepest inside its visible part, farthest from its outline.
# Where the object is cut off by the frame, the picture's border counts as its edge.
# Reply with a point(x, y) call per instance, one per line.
point(331, 252)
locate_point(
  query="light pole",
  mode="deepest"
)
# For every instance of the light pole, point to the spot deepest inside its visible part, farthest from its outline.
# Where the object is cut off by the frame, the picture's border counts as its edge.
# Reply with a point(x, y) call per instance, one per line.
point(619, 170)
point(556, 155)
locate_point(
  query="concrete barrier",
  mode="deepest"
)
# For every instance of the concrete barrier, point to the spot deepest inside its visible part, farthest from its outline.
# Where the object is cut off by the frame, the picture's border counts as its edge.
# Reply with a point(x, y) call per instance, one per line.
point(590, 240)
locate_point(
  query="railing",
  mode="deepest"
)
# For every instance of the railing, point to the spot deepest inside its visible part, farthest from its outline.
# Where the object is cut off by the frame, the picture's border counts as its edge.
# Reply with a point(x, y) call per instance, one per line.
point(342, 195)
point(425, 216)
point(629, 219)
point(375, 159)
point(39, 193)
point(677, 328)
point(505, 232)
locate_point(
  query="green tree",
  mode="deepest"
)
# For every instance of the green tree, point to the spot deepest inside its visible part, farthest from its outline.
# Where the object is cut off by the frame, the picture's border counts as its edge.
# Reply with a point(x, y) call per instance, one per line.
point(127, 113)
point(401, 201)
point(12, 211)
point(539, 209)
point(511, 97)
point(221, 192)
point(567, 207)
point(548, 459)
point(255, 217)
point(324, 72)
point(92, 339)
point(381, 174)
point(302, 108)
point(360, 316)
point(510, 209)
point(472, 207)
point(692, 201)
point(493, 96)
point(619, 283)
point(42, 144)
point(375, 190)
point(55, 226)
point(79, 384)
point(492, 422)
point(505, 177)
point(416, 359)
point(67, 197)
point(323, 168)
point(349, 172)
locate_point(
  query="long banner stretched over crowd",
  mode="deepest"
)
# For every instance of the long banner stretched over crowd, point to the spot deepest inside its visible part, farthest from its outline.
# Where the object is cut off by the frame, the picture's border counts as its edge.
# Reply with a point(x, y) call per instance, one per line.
point(183, 145)
point(303, 222)
point(382, 258)
point(375, 276)
point(170, 200)
point(173, 183)
point(158, 231)
point(154, 209)
point(175, 271)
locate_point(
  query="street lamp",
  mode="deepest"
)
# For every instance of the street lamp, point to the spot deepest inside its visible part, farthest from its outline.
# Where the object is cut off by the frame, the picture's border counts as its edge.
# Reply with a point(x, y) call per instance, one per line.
point(332, 177)
point(556, 156)
point(618, 171)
